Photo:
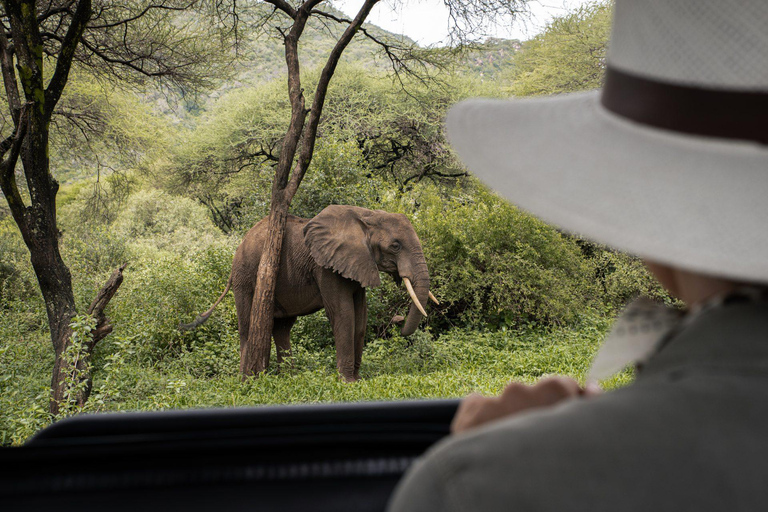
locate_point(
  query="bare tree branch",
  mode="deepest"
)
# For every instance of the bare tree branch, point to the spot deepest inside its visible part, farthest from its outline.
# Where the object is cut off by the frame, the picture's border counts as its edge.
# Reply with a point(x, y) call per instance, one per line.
point(67, 52)
point(142, 13)
point(283, 6)
point(8, 168)
point(96, 309)
point(309, 136)
point(405, 58)
point(9, 75)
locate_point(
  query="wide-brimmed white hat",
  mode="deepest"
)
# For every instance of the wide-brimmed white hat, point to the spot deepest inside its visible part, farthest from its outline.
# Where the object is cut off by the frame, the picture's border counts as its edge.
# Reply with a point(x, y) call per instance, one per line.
point(669, 161)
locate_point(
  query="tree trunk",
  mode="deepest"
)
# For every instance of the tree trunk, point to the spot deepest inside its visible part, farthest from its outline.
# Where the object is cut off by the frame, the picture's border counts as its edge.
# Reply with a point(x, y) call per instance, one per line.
point(41, 236)
point(254, 356)
point(56, 286)
point(42, 239)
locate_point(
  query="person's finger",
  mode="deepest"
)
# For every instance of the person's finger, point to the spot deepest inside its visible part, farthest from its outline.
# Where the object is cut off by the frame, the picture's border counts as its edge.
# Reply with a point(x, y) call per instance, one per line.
point(476, 410)
point(466, 414)
point(592, 389)
point(551, 390)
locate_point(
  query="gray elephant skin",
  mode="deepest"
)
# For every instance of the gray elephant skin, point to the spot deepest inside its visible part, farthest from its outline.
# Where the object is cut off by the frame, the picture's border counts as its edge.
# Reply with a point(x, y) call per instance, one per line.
point(328, 262)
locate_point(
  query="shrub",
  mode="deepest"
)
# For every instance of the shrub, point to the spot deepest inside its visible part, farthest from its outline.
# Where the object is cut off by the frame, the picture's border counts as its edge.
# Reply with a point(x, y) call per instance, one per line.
point(172, 223)
point(494, 266)
point(622, 277)
point(17, 281)
point(162, 289)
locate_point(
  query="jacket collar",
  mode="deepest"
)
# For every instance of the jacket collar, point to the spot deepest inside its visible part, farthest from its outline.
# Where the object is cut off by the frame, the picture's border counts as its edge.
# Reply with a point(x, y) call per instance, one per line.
point(734, 334)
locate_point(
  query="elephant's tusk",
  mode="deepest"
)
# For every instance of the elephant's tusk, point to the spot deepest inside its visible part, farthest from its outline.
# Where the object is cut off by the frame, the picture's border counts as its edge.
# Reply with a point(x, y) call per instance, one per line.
point(433, 298)
point(415, 299)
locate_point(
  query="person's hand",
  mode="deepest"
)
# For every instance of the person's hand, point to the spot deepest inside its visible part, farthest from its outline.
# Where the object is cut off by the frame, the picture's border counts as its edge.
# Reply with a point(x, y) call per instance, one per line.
point(476, 410)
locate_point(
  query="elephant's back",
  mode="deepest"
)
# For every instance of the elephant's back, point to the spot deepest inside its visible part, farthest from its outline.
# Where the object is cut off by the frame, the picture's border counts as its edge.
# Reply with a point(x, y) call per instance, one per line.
point(248, 255)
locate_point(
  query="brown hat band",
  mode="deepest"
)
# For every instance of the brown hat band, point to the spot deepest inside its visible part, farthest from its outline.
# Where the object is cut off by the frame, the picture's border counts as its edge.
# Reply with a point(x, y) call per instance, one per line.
point(707, 112)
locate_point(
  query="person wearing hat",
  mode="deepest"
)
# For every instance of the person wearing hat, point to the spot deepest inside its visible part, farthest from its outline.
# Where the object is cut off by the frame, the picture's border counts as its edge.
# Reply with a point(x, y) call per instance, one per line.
point(668, 162)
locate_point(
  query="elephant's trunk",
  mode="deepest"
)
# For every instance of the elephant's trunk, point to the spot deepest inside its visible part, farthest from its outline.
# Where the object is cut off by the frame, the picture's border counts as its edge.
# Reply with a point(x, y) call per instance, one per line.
point(420, 283)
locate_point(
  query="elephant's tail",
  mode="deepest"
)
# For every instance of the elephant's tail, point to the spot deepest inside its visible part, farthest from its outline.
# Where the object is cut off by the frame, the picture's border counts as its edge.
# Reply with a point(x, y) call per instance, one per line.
point(202, 318)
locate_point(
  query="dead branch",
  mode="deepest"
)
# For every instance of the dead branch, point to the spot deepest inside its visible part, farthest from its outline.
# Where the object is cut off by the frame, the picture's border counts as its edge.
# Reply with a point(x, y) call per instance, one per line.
point(96, 309)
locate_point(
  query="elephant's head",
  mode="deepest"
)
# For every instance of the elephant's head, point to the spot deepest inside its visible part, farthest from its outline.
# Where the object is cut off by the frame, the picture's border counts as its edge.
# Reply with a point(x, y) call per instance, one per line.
point(358, 243)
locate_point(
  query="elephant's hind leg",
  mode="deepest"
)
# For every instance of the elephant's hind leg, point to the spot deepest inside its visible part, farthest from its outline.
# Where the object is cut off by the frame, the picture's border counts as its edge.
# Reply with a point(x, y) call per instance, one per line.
point(243, 299)
point(281, 332)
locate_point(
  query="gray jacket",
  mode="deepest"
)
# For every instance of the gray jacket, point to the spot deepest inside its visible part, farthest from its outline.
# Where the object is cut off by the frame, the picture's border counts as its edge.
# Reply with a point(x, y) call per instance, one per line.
point(691, 434)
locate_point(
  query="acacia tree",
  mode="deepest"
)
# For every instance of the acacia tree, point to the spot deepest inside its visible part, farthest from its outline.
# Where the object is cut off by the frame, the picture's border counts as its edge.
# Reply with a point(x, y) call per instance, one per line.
point(468, 17)
point(117, 41)
point(569, 56)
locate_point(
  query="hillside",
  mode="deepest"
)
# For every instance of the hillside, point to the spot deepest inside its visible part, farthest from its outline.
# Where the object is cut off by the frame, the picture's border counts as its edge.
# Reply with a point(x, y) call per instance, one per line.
point(261, 59)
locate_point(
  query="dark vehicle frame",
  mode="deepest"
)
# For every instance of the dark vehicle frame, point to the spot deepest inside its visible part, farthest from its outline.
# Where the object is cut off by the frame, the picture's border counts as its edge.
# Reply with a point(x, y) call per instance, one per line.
point(331, 457)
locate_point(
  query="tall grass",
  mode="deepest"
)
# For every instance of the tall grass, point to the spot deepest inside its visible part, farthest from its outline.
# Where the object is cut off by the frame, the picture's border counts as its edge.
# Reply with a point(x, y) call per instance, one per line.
point(204, 374)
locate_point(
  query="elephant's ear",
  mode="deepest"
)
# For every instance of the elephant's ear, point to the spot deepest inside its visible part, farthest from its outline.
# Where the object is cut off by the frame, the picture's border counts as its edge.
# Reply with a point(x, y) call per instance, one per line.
point(337, 240)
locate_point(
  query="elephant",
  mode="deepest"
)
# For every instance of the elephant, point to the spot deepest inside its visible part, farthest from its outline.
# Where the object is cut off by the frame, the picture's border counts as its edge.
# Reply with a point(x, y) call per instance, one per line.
point(328, 262)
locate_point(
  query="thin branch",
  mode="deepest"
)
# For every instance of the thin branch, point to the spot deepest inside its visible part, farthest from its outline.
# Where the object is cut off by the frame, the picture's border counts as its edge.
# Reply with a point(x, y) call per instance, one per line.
point(9, 76)
point(402, 57)
point(51, 11)
point(66, 54)
point(309, 136)
point(141, 14)
point(283, 6)
point(8, 169)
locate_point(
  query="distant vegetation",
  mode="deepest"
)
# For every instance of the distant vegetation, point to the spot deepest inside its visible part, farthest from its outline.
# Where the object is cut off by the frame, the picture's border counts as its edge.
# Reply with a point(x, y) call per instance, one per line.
point(172, 194)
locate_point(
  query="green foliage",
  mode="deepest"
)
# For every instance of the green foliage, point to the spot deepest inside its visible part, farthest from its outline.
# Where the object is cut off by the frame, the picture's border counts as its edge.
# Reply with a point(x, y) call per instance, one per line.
point(494, 266)
point(374, 133)
point(167, 289)
point(492, 59)
point(622, 277)
point(76, 357)
point(26, 359)
point(153, 218)
point(423, 366)
point(100, 128)
point(568, 56)
point(17, 281)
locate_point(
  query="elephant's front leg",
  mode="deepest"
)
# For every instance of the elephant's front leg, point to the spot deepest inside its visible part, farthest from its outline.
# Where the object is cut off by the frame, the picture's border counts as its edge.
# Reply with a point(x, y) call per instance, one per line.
point(361, 322)
point(338, 298)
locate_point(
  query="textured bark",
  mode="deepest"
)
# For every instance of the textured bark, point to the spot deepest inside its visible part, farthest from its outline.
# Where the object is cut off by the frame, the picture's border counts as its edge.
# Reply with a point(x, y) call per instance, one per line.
point(96, 309)
point(254, 355)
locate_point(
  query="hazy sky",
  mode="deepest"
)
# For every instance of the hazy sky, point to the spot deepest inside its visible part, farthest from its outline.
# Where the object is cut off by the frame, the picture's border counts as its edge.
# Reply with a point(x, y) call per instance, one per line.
point(426, 21)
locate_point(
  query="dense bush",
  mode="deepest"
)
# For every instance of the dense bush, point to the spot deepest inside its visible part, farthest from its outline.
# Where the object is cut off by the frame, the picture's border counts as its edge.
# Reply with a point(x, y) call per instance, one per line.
point(493, 265)
point(17, 282)
point(155, 218)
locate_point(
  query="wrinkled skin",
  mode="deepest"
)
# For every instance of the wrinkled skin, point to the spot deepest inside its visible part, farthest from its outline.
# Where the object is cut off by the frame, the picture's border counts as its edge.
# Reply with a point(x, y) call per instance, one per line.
point(328, 262)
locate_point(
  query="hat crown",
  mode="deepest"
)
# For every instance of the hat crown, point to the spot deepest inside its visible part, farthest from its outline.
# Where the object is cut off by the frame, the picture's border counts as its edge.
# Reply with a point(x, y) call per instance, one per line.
point(713, 44)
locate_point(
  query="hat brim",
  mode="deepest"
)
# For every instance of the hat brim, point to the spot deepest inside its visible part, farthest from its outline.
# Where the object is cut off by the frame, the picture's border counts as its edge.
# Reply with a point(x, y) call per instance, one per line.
point(693, 202)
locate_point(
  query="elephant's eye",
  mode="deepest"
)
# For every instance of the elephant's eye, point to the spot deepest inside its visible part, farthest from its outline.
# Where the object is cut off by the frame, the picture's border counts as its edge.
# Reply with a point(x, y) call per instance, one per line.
point(394, 246)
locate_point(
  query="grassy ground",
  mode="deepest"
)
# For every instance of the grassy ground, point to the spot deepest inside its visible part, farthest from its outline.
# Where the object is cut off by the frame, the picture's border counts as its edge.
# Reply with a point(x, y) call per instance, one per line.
point(205, 374)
